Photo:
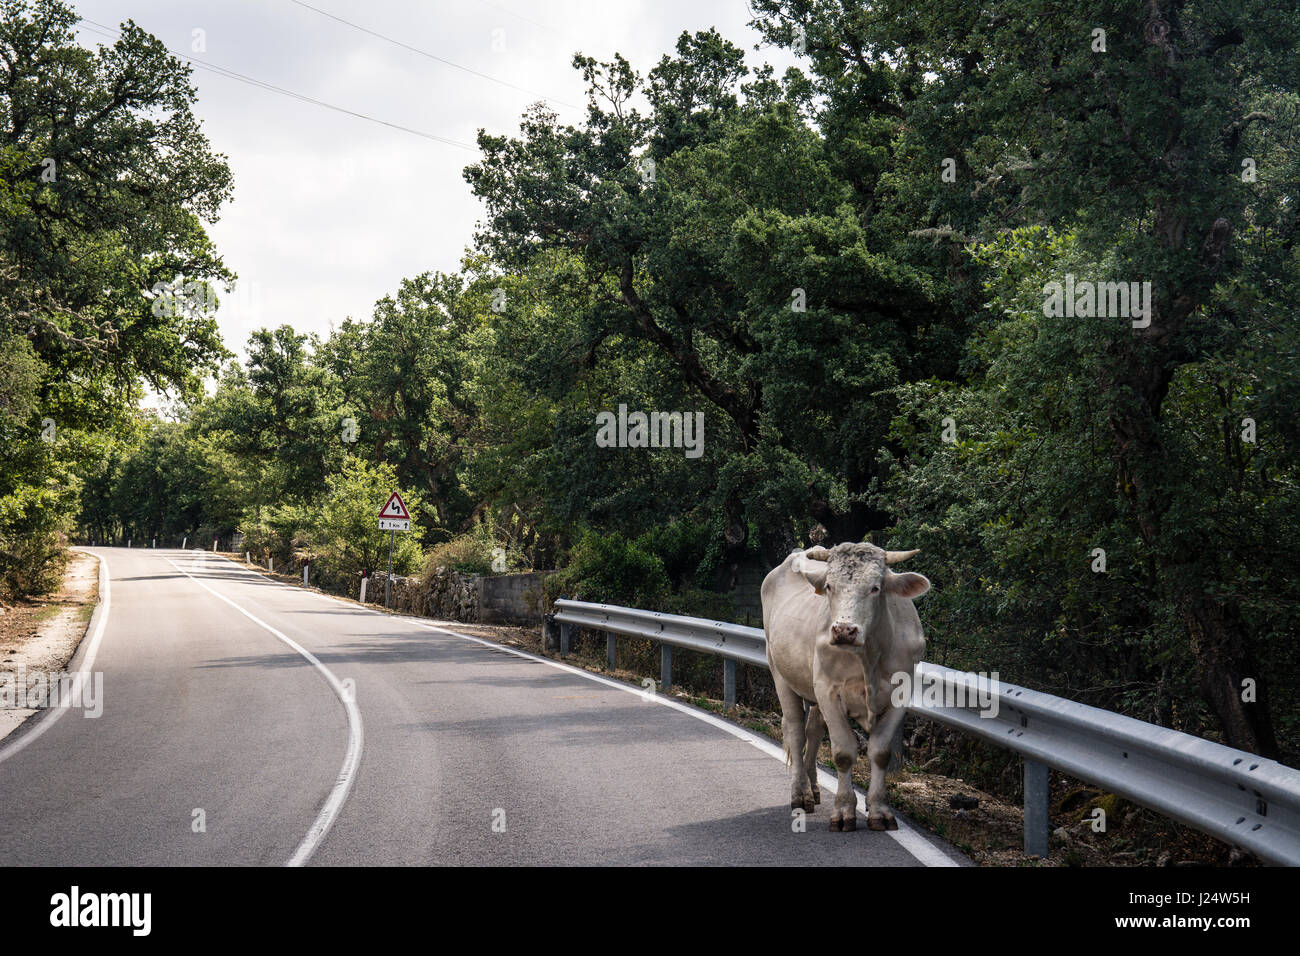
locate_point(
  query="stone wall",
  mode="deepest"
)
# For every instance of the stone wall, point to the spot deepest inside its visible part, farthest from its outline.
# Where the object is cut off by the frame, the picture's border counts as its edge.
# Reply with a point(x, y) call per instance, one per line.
point(452, 596)
point(471, 598)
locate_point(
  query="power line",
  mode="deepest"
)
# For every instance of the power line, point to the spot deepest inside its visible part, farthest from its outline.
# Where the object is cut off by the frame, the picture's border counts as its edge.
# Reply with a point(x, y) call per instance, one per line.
point(433, 56)
point(272, 88)
point(519, 16)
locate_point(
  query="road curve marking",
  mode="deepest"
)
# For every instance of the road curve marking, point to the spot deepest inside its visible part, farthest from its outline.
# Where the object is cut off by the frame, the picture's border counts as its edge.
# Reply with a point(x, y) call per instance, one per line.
point(83, 673)
point(925, 852)
point(351, 759)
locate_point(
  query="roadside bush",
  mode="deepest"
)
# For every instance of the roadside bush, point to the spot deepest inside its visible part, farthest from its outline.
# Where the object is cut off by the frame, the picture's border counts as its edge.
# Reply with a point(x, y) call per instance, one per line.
point(31, 564)
point(32, 545)
point(610, 569)
point(681, 545)
point(472, 553)
point(696, 602)
point(33, 556)
point(274, 533)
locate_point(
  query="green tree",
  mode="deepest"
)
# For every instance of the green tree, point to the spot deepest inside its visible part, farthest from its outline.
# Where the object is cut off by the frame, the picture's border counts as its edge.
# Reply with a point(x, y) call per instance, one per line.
point(110, 179)
point(717, 235)
point(344, 533)
point(1046, 122)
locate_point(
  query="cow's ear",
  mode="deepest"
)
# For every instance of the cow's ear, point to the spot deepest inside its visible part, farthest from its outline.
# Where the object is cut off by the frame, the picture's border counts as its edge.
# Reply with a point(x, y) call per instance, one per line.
point(814, 572)
point(908, 584)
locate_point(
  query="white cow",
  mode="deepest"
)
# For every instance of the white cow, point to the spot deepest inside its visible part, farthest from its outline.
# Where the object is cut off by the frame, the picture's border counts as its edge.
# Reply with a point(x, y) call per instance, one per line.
point(839, 626)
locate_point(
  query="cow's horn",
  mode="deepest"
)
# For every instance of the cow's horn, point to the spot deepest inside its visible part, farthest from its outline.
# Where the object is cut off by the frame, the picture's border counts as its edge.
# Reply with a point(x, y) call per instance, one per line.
point(893, 557)
point(817, 553)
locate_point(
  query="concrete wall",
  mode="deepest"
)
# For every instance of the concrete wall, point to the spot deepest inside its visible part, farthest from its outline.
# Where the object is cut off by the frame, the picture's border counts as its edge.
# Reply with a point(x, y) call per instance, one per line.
point(511, 598)
point(746, 596)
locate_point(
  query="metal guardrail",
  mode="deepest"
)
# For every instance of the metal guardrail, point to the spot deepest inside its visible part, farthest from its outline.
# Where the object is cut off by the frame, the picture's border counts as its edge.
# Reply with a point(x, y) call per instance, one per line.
point(734, 643)
point(1232, 795)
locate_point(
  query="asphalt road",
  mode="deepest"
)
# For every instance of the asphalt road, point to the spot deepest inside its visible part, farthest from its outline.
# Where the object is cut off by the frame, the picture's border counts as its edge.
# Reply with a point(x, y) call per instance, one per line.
point(298, 728)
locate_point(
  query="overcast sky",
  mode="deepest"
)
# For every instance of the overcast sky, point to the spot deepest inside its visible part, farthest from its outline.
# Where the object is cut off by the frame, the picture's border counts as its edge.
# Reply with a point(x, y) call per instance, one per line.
point(331, 211)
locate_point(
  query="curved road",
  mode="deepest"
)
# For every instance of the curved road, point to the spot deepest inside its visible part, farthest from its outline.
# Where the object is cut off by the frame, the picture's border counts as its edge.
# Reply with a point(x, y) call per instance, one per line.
point(249, 722)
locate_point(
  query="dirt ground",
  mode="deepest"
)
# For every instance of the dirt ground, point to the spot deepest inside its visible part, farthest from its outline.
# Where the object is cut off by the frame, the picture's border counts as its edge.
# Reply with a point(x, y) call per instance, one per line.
point(41, 635)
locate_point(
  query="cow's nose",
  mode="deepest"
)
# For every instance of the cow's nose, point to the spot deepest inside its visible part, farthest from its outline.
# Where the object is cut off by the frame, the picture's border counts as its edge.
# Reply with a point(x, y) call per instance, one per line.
point(843, 633)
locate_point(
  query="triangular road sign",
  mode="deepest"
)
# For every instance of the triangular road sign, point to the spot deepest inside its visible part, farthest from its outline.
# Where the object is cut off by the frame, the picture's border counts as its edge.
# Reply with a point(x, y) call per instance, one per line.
point(396, 508)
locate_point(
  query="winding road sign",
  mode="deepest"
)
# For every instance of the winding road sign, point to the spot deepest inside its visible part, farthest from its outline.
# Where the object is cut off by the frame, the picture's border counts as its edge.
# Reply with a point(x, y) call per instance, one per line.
point(394, 516)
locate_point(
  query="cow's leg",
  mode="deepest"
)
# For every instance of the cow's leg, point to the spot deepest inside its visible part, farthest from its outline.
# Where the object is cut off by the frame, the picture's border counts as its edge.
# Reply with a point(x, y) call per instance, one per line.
point(844, 751)
point(815, 731)
point(879, 816)
point(792, 734)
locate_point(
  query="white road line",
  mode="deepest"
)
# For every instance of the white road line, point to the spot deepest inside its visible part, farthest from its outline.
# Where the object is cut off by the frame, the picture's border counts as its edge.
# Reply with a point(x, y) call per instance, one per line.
point(351, 759)
point(52, 714)
point(918, 846)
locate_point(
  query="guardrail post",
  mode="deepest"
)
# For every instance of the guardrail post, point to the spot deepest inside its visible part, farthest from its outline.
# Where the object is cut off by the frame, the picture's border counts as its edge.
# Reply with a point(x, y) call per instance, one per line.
point(729, 683)
point(611, 648)
point(666, 666)
point(1037, 822)
point(566, 635)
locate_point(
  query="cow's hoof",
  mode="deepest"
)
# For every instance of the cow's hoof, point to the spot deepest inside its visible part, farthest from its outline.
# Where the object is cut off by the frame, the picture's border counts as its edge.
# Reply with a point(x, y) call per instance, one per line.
point(882, 822)
point(806, 803)
point(843, 823)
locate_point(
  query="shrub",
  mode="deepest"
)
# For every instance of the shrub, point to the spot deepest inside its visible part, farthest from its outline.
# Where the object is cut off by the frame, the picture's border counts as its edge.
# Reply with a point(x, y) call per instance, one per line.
point(696, 602)
point(610, 569)
point(473, 553)
point(272, 532)
point(681, 545)
point(32, 551)
point(31, 563)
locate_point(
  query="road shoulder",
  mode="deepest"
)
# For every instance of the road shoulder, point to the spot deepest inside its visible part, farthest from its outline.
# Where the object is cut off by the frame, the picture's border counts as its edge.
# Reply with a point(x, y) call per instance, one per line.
point(41, 636)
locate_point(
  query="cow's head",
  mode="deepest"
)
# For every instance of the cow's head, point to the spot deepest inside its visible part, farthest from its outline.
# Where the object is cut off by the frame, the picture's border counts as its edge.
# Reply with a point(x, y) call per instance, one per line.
point(855, 579)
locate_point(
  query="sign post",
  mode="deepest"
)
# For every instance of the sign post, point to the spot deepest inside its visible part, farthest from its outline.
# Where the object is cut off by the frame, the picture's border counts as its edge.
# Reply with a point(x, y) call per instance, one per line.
point(393, 517)
point(388, 579)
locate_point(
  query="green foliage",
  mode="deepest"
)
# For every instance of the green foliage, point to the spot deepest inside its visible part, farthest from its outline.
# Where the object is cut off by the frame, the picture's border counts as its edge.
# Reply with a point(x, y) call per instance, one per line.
point(278, 532)
point(679, 545)
point(344, 533)
point(85, 242)
point(476, 552)
point(106, 180)
point(32, 552)
point(609, 569)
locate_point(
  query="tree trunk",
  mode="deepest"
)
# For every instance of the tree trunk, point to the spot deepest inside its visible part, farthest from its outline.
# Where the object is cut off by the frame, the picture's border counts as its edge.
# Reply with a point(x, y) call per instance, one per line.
point(1221, 647)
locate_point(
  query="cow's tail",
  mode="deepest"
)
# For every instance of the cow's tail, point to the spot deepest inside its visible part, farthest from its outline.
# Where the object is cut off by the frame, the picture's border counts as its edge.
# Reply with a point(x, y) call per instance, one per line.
point(789, 757)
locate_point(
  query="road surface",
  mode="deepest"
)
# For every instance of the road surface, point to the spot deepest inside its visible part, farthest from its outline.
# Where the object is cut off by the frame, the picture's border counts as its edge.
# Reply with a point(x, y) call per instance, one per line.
point(247, 722)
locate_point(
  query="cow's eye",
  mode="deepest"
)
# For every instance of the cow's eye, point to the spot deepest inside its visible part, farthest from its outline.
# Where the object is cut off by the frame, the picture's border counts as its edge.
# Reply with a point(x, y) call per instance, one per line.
point(875, 588)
